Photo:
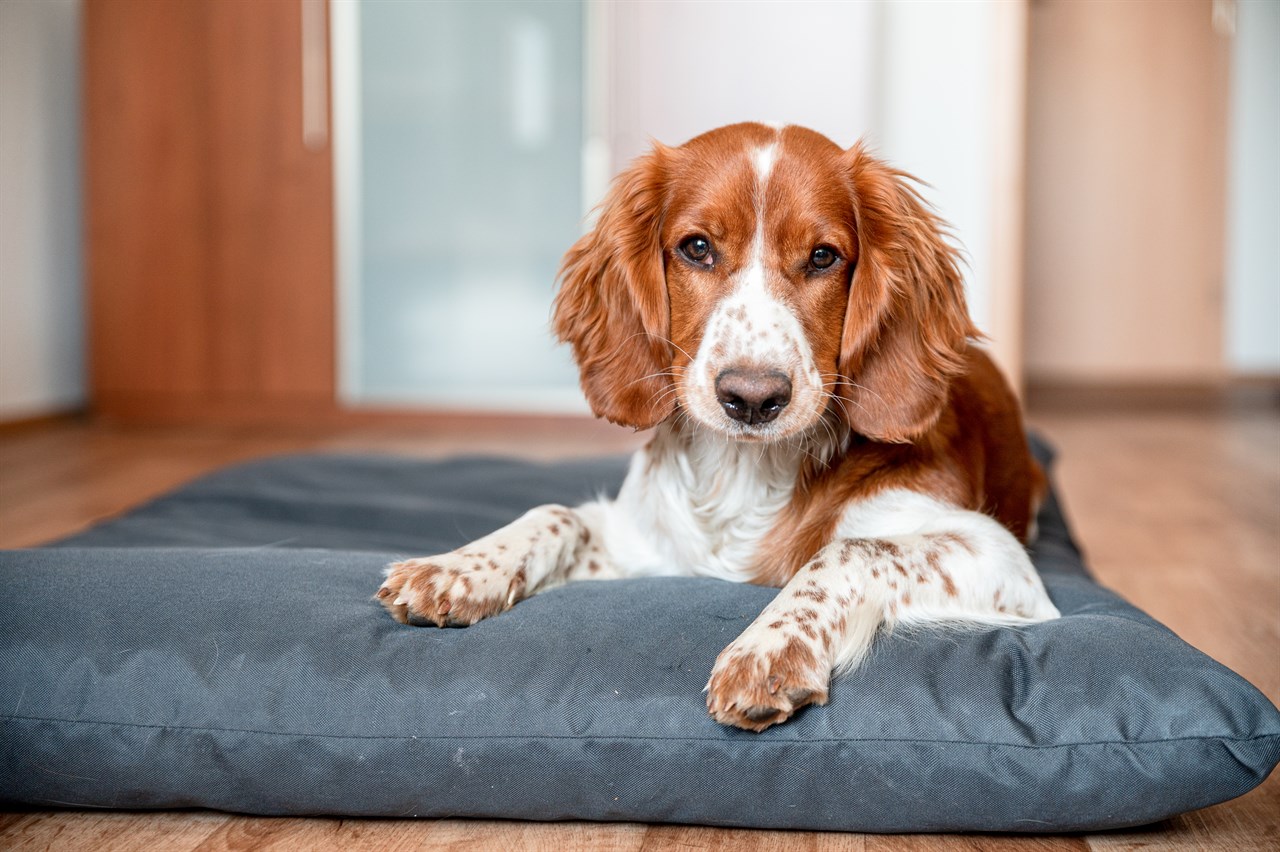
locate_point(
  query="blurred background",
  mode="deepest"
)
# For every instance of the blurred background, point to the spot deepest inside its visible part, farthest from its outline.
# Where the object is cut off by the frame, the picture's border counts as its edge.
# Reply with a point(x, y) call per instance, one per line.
point(297, 208)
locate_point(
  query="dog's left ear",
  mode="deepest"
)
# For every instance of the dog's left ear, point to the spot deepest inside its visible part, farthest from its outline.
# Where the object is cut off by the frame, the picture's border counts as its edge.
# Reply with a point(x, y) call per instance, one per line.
point(612, 307)
point(906, 326)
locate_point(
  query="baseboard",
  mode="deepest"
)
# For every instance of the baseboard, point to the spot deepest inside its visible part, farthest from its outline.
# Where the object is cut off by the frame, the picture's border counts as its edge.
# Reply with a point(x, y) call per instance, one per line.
point(156, 410)
point(44, 420)
point(1245, 392)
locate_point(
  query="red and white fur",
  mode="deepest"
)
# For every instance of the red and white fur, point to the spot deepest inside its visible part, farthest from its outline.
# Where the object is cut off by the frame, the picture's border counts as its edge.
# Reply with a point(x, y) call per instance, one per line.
point(789, 318)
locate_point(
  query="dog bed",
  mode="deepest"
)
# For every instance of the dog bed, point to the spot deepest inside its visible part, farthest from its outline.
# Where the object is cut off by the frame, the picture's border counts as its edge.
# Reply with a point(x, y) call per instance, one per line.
point(221, 648)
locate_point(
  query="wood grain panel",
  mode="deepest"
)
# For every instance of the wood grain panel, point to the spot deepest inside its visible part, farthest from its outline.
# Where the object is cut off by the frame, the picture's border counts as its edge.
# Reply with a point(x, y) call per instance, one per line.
point(210, 222)
point(271, 212)
point(146, 183)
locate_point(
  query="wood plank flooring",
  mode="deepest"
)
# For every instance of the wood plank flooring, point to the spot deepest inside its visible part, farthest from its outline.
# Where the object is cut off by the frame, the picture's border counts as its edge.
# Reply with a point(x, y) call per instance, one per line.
point(1179, 512)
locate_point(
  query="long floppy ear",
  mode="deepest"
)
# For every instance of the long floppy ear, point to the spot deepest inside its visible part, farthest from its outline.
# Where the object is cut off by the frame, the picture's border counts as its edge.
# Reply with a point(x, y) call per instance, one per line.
point(612, 307)
point(906, 326)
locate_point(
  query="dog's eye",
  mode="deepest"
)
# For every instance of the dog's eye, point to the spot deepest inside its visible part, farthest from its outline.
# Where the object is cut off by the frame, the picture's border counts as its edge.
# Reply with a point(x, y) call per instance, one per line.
point(822, 257)
point(697, 249)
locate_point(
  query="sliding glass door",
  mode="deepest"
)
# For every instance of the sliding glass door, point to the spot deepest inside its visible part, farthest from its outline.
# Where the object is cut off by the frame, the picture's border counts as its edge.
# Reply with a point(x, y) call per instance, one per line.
point(459, 139)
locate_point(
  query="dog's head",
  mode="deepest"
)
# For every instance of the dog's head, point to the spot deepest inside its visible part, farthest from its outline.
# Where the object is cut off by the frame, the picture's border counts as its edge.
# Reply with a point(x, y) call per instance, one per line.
point(754, 278)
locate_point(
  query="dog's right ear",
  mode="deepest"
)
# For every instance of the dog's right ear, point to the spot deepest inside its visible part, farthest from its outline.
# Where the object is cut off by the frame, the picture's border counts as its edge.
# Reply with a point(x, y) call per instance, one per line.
point(612, 307)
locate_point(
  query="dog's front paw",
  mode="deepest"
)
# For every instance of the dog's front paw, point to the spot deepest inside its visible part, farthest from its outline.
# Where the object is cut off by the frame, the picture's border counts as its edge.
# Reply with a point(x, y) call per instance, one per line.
point(454, 590)
point(761, 680)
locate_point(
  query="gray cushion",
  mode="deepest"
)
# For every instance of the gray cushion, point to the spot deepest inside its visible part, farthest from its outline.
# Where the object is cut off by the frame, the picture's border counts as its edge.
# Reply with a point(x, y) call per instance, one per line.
point(220, 648)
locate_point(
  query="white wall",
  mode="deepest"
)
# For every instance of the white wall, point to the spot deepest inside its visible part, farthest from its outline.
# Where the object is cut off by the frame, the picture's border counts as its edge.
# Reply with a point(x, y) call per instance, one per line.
point(683, 67)
point(1253, 193)
point(41, 325)
point(941, 118)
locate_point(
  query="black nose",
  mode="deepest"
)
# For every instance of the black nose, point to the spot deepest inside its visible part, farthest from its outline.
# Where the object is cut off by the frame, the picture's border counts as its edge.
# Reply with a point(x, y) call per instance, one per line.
point(751, 397)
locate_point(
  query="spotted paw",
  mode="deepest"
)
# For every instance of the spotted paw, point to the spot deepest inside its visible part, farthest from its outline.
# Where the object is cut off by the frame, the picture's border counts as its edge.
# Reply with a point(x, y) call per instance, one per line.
point(454, 590)
point(753, 688)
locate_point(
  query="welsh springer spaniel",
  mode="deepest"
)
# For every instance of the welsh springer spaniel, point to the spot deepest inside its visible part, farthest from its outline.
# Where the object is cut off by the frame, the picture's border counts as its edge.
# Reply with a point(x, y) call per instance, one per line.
point(789, 317)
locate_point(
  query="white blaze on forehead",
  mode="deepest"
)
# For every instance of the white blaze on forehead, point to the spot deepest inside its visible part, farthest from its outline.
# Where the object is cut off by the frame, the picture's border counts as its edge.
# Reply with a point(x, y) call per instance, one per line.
point(750, 296)
point(763, 158)
point(752, 327)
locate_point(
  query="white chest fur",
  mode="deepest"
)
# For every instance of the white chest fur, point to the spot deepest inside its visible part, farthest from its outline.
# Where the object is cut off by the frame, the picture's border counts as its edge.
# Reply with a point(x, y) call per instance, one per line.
point(695, 503)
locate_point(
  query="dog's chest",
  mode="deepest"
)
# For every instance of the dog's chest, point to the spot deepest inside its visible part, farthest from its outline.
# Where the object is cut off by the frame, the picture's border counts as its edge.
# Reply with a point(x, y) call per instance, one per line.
point(706, 507)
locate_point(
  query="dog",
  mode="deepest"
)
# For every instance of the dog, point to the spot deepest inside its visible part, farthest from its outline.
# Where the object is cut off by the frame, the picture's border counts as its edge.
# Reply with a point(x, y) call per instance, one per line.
point(789, 317)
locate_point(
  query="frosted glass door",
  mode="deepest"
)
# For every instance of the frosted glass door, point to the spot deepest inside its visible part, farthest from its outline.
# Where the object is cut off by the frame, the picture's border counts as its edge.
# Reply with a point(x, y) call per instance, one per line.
point(459, 190)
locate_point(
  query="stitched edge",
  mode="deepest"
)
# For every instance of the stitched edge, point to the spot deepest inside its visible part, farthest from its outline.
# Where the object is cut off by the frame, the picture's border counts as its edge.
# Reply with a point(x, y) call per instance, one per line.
point(555, 737)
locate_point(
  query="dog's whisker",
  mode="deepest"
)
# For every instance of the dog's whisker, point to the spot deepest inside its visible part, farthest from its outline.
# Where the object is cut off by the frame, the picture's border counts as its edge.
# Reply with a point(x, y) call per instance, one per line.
point(670, 343)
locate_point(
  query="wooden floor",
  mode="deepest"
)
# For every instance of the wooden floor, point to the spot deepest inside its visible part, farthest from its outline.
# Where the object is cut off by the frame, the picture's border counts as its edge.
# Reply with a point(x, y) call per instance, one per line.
point(1179, 512)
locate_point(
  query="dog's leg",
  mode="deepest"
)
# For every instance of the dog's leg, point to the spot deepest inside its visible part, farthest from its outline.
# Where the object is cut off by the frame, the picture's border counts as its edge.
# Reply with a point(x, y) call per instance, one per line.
point(959, 567)
point(545, 546)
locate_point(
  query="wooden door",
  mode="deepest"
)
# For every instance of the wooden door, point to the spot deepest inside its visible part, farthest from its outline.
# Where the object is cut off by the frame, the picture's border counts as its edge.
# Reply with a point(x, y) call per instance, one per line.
point(209, 221)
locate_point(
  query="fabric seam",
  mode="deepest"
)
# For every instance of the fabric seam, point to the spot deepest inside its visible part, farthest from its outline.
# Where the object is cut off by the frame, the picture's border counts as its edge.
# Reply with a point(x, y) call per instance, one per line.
point(555, 737)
